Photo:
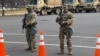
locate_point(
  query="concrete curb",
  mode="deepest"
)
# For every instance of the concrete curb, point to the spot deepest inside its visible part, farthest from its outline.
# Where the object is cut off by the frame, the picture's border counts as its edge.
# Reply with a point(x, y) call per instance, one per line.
point(17, 14)
point(13, 13)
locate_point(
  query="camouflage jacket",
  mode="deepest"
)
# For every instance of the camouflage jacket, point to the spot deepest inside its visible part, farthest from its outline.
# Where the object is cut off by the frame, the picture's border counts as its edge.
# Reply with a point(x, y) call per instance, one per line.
point(30, 19)
point(66, 17)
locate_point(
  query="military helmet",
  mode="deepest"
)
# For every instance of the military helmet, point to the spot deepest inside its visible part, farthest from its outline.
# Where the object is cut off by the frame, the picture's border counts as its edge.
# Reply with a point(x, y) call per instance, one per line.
point(65, 7)
point(29, 9)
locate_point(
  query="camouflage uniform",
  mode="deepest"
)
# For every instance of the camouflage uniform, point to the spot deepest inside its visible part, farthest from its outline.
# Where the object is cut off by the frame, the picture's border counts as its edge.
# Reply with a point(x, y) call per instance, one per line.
point(30, 26)
point(65, 29)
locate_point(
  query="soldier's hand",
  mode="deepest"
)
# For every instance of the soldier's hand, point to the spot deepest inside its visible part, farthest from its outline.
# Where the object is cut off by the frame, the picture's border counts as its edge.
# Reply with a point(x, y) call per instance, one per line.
point(68, 22)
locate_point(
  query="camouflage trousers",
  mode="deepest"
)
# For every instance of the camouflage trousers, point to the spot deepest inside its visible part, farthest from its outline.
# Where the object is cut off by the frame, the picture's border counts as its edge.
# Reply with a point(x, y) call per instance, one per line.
point(30, 39)
point(62, 36)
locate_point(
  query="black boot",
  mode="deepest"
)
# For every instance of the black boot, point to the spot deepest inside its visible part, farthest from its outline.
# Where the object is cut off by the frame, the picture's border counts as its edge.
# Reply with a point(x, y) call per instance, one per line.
point(28, 49)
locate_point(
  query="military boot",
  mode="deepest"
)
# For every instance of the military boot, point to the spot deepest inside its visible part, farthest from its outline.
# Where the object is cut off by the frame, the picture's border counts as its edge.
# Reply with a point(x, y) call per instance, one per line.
point(33, 50)
point(70, 52)
point(69, 47)
point(61, 52)
point(28, 49)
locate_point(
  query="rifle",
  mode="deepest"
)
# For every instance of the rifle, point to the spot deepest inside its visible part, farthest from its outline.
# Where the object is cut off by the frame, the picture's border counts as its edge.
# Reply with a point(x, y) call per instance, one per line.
point(24, 24)
point(61, 12)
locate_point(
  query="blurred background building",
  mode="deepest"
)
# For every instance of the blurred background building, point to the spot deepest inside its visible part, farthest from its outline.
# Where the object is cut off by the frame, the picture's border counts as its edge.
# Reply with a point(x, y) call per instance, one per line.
point(14, 3)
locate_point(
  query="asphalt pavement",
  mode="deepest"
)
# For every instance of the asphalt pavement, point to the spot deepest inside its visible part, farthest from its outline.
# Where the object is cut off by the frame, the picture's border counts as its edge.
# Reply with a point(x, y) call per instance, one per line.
point(86, 27)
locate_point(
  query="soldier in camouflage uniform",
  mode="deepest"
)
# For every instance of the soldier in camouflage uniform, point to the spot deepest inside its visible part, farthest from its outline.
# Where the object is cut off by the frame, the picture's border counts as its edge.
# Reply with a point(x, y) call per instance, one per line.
point(65, 29)
point(29, 23)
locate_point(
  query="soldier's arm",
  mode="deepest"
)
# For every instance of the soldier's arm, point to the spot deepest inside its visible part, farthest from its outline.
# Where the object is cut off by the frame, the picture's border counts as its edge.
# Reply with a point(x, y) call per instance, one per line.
point(71, 18)
point(70, 21)
point(33, 19)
